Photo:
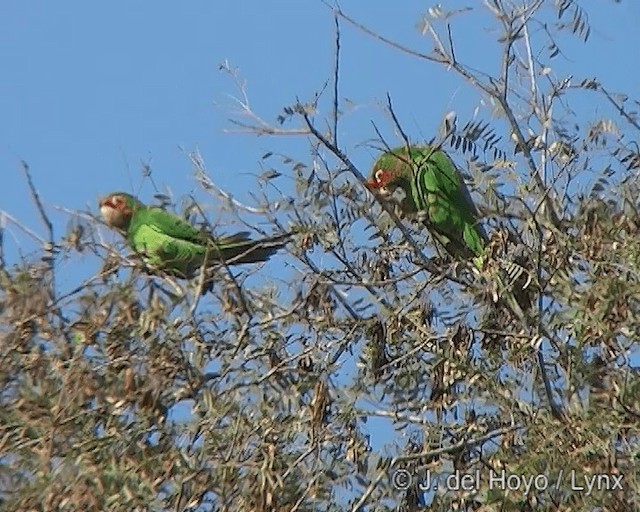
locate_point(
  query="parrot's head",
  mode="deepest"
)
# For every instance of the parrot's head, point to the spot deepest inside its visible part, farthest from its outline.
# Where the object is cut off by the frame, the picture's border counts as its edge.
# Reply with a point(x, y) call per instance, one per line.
point(388, 174)
point(118, 208)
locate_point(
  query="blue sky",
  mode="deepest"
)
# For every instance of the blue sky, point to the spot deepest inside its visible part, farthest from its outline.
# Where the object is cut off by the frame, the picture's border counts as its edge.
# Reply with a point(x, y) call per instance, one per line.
point(91, 90)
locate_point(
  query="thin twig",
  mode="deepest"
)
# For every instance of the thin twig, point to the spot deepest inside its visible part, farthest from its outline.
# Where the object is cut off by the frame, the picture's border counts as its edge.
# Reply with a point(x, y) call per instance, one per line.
point(379, 37)
point(208, 184)
point(257, 124)
point(36, 198)
point(336, 74)
point(24, 228)
point(397, 123)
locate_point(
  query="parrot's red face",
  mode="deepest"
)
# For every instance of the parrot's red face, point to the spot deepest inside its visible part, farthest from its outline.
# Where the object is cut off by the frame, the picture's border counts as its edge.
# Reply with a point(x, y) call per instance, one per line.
point(116, 211)
point(380, 179)
point(381, 183)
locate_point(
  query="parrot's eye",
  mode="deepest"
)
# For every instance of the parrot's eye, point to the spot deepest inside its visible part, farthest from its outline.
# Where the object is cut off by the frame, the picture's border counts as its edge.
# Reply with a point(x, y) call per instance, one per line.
point(380, 175)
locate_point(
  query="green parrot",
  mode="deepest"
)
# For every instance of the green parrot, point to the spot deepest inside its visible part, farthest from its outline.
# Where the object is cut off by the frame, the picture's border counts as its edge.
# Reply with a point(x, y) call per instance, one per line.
point(169, 243)
point(433, 188)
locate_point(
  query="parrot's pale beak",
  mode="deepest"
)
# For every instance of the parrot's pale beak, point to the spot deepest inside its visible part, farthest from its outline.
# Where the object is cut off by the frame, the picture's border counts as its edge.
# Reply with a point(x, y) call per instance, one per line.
point(105, 208)
point(378, 189)
point(110, 213)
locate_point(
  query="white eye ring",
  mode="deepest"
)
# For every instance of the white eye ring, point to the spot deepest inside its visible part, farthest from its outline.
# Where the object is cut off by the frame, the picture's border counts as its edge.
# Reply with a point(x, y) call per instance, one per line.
point(379, 175)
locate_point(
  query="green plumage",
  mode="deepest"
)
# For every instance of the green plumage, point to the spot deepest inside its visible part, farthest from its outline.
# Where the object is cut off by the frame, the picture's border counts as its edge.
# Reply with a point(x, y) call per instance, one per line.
point(433, 187)
point(167, 242)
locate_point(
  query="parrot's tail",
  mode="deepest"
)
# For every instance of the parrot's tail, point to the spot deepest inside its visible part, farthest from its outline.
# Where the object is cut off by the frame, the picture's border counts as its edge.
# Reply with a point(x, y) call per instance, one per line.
point(239, 248)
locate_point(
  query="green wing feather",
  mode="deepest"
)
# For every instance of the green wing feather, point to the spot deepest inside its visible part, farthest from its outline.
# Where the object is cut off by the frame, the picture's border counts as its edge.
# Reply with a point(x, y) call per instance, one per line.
point(169, 224)
point(445, 197)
